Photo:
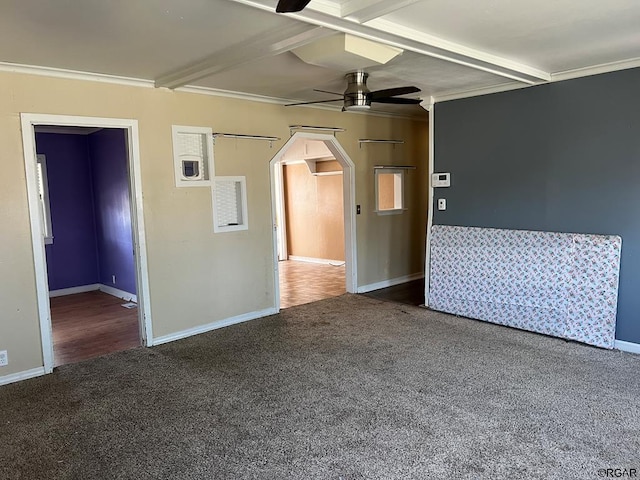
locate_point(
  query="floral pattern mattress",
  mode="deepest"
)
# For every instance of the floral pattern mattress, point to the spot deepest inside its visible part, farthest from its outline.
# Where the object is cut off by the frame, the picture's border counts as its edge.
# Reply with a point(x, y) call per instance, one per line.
point(559, 284)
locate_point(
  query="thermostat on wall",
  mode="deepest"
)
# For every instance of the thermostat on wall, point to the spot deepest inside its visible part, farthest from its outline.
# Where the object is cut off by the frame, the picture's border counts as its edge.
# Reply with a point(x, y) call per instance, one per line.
point(440, 180)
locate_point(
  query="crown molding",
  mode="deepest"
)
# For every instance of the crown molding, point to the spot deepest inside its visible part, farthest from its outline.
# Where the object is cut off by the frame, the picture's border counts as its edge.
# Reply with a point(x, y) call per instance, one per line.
point(74, 74)
point(596, 69)
point(476, 92)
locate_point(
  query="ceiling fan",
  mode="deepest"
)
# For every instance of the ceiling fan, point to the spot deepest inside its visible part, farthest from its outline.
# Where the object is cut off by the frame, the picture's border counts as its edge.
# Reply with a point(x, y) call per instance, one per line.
point(357, 96)
point(290, 6)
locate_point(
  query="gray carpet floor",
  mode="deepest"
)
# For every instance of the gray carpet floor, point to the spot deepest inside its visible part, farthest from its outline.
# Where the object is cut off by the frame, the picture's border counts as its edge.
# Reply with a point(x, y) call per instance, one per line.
point(345, 388)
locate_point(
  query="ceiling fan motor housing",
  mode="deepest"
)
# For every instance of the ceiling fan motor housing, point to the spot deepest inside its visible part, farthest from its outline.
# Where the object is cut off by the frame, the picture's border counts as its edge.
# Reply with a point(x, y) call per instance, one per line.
point(356, 96)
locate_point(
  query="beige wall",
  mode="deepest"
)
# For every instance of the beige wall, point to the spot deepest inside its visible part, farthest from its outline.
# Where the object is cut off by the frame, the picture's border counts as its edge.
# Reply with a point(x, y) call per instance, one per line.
point(314, 211)
point(197, 277)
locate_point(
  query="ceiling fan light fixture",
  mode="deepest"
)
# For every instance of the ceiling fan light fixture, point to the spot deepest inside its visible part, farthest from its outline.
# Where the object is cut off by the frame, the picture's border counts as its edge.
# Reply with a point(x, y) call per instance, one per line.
point(357, 95)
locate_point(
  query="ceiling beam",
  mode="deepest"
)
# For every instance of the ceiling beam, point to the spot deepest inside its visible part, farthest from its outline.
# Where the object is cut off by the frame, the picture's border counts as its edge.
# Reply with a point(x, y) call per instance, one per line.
point(323, 13)
point(260, 46)
point(363, 11)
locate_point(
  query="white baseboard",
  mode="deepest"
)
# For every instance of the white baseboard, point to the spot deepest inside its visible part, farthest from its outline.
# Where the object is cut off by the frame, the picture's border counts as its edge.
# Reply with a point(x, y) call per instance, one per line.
point(323, 261)
point(115, 292)
point(390, 283)
point(73, 290)
point(17, 377)
point(245, 317)
point(626, 346)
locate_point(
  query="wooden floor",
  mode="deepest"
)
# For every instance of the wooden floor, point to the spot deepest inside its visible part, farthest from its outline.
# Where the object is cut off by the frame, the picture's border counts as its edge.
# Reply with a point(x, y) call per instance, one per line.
point(91, 324)
point(304, 282)
point(410, 293)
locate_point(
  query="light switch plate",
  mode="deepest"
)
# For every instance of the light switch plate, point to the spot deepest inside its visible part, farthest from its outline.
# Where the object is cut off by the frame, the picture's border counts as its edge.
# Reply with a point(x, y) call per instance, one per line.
point(4, 358)
point(442, 204)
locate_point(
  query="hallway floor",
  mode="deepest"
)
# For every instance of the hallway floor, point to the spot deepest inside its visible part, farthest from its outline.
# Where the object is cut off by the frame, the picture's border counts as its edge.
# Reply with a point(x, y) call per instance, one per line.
point(304, 282)
point(410, 293)
point(87, 325)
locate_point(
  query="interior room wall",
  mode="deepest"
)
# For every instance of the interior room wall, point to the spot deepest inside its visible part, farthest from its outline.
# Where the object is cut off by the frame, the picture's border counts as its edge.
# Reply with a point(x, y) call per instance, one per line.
point(110, 180)
point(563, 157)
point(72, 259)
point(314, 211)
point(197, 277)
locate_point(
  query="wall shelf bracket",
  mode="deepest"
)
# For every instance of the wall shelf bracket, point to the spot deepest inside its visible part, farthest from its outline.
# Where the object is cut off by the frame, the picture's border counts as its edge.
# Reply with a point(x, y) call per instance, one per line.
point(374, 140)
point(246, 137)
point(293, 128)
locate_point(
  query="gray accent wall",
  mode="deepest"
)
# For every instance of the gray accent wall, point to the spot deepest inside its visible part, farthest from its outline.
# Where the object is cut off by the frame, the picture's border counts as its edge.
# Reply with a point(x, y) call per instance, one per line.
point(562, 157)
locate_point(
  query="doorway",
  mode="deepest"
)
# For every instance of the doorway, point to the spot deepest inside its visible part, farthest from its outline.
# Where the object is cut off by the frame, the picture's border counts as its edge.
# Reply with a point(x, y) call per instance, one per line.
point(88, 236)
point(313, 203)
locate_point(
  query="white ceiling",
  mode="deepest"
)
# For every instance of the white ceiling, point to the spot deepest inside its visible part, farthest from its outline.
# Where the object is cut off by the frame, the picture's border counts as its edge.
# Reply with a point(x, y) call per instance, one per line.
point(450, 48)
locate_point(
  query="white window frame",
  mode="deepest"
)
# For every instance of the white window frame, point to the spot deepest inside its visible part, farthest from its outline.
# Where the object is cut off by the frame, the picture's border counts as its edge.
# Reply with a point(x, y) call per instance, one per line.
point(399, 188)
point(207, 132)
point(45, 204)
point(243, 198)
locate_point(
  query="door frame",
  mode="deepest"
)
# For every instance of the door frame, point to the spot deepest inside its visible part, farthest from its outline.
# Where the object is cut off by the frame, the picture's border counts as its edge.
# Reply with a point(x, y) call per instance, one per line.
point(29, 121)
point(349, 202)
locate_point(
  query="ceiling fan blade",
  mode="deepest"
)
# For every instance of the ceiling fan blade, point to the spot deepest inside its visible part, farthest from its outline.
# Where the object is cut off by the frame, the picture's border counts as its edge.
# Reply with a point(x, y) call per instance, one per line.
point(398, 101)
point(326, 91)
point(310, 103)
point(392, 92)
point(290, 6)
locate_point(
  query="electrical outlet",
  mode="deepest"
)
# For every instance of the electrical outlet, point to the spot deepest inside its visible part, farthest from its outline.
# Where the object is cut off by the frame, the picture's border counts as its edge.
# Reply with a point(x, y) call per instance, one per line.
point(113, 279)
point(4, 358)
point(442, 204)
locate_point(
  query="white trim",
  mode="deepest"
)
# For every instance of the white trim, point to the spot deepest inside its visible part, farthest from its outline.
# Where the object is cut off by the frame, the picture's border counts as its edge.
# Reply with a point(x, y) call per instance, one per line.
point(139, 237)
point(245, 317)
point(242, 180)
point(63, 292)
point(364, 11)
point(116, 292)
point(349, 199)
point(28, 123)
point(390, 283)
point(427, 257)
point(74, 74)
point(24, 375)
point(595, 69)
point(476, 92)
point(626, 346)
point(207, 133)
point(281, 214)
point(323, 261)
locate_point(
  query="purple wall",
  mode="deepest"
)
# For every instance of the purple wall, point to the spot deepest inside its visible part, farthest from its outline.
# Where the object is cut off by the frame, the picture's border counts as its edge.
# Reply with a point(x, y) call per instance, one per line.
point(108, 154)
point(90, 210)
point(72, 259)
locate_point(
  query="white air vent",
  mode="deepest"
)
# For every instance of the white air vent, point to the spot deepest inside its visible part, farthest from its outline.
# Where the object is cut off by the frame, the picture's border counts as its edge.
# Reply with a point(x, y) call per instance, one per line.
point(229, 204)
point(193, 156)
